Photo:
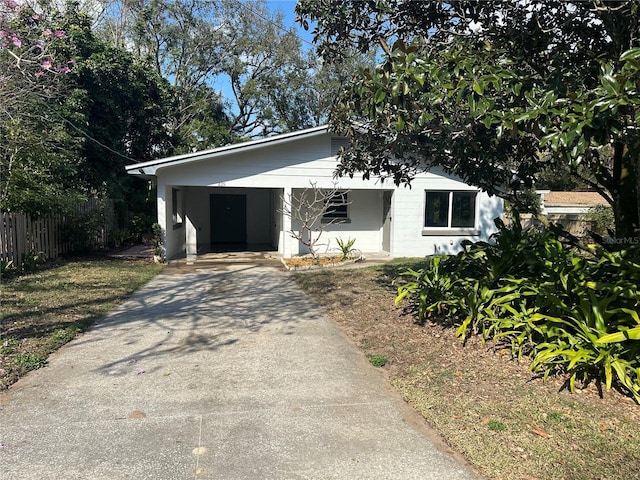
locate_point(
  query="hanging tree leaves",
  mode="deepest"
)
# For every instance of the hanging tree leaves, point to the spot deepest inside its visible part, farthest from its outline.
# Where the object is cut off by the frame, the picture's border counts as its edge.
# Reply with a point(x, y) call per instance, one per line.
point(495, 92)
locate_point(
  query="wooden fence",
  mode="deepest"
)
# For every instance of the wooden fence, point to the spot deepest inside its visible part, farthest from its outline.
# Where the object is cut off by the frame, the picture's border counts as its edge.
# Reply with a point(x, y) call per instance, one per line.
point(49, 236)
point(578, 225)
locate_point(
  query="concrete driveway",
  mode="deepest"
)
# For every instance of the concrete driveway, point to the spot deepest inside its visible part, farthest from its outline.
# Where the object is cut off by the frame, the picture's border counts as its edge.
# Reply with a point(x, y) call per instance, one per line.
point(228, 373)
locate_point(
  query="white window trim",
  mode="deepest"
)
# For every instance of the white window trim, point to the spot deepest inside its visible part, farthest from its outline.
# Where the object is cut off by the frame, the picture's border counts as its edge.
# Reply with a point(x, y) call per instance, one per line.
point(434, 231)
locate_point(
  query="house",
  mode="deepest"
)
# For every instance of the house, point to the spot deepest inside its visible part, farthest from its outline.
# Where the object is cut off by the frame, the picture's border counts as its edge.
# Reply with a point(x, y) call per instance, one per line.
point(232, 197)
point(570, 203)
point(571, 209)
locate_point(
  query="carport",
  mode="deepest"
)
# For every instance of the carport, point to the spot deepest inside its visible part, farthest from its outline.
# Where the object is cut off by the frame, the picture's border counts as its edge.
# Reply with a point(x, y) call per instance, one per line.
point(229, 218)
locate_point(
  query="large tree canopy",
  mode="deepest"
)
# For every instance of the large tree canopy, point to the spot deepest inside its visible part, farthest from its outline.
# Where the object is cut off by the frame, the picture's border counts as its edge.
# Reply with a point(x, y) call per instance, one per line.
point(220, 52)
point(38, 168)
point(75, 110)
point(495, 92)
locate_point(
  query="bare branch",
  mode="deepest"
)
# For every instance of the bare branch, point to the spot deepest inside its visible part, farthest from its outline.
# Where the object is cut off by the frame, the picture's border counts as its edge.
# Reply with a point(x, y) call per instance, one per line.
point(312, 208)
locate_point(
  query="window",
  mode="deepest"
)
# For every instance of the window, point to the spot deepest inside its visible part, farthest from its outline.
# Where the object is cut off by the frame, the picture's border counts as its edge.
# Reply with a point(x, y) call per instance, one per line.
point(444, 209)
point(437, 210)
point(337, 210)
point(463, 210)
point(176, 207)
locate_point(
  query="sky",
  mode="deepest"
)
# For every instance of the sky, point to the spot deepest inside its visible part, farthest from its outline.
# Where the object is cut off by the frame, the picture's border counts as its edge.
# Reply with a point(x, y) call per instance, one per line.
point(287, 7)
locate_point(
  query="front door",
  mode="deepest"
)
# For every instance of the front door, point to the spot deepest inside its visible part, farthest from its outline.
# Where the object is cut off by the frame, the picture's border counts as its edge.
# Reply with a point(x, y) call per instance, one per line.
point(228, 219)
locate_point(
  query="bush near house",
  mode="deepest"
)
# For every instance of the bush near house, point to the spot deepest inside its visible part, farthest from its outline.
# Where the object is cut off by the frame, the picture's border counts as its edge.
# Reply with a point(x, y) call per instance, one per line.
point(572, 312)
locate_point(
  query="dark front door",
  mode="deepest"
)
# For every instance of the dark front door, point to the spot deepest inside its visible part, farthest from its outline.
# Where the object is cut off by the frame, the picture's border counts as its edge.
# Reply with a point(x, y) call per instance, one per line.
point(228, 218)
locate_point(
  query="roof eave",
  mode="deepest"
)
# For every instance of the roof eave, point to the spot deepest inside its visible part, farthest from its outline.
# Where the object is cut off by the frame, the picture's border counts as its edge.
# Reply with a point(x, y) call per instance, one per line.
point(151, 167)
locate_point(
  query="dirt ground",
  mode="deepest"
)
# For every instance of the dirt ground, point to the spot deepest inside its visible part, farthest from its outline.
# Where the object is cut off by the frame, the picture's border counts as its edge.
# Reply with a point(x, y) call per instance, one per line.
point(486, 404)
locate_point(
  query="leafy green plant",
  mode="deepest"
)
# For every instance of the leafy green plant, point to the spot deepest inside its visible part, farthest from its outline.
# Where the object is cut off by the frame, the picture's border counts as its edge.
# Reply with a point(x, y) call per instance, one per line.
point(496, 426)
point(377, 360)
point(6, 268)
point(431, 289)
point(32, 260)
point(29, 361)
point(346, 248)
point(574, 312)
point(65, 335)
point(156, 239)
point(601, 216)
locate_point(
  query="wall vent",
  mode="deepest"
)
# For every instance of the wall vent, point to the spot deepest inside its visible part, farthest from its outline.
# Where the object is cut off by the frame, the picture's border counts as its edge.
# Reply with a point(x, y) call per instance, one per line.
point(337, 143)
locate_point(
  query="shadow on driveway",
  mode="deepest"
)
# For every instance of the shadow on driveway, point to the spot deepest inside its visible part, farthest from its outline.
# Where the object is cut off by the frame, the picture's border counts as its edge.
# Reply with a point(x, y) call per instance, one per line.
point(232, 374)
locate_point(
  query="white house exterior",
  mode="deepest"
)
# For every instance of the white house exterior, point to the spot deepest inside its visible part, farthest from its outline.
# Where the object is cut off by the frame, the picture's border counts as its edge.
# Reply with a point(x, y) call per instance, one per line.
point(234, 195)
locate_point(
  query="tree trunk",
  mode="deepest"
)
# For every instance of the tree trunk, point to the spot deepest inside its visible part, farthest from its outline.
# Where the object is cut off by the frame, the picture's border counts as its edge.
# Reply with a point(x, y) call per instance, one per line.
point(625, 192)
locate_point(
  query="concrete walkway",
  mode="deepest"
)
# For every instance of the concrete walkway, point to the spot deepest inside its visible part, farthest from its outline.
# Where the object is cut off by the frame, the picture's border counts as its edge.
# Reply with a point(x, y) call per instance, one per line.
point(227, 373)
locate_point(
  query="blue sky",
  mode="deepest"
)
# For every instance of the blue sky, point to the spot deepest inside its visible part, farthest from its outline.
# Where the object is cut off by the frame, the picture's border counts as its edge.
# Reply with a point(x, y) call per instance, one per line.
point(287, 7)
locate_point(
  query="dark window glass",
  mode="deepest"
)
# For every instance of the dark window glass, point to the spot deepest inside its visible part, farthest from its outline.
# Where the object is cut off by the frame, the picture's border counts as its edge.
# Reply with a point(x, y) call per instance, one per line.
point(464, 209)
point(437, 209)
point(337, 207)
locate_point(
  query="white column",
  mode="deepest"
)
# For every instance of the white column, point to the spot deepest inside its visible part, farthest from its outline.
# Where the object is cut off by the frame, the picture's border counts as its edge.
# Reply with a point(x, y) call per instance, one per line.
point(191, 231)
point(285, 238)
point(162, 213)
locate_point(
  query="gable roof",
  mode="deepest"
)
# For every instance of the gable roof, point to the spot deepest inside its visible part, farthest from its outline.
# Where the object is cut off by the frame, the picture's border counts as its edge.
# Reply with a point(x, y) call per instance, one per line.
point(151, 167)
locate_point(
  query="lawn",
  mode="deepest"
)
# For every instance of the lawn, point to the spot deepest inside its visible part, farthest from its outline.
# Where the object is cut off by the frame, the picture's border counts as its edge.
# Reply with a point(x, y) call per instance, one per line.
point(43, 310)
point(485, 404)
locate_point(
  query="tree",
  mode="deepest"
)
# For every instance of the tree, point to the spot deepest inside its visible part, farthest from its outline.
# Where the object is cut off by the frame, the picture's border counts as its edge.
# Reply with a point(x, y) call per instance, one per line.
point(309, 209)
point(183, 42)
point(495, 92)
point(119, 107)
point(71, 125)
point(200, 46)
point(267, 71)
point(38, 167)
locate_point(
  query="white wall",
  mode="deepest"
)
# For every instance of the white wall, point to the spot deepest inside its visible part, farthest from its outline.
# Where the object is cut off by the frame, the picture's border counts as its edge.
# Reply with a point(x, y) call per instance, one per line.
point(261, 171)
point(174, 235)
point(408, 207)
point(365, 225)
point(295, 164)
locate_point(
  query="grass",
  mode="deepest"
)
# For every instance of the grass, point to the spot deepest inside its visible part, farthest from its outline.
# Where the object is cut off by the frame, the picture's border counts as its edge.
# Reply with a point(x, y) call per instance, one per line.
point(43, 310)
point(508, 423)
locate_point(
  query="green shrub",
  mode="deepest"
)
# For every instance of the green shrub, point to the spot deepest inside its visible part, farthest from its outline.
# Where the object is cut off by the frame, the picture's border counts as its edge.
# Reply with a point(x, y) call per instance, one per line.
point(32, 260)
point(601, 216)
point(377, 360)
point(346, 248)
point(574, 312)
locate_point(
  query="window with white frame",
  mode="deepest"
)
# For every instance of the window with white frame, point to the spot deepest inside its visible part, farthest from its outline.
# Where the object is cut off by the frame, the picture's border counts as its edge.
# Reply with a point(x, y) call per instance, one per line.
point(450, 209)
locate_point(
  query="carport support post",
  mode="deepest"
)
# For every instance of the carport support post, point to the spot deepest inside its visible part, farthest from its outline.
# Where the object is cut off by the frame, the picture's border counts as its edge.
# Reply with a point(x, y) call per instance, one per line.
point(191, 234)
point(286, 225)
point(162, 216)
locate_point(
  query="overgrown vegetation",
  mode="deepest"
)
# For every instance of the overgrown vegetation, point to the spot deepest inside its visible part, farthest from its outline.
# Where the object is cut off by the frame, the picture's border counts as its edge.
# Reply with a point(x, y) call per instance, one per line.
point(573, 312)
point(377, 360)
point(44, 309)
point(507, 422)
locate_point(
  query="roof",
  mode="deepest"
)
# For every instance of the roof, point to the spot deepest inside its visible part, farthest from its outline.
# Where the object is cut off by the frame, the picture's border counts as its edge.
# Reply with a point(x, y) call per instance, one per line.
point(150, 168)
point(556, 199)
